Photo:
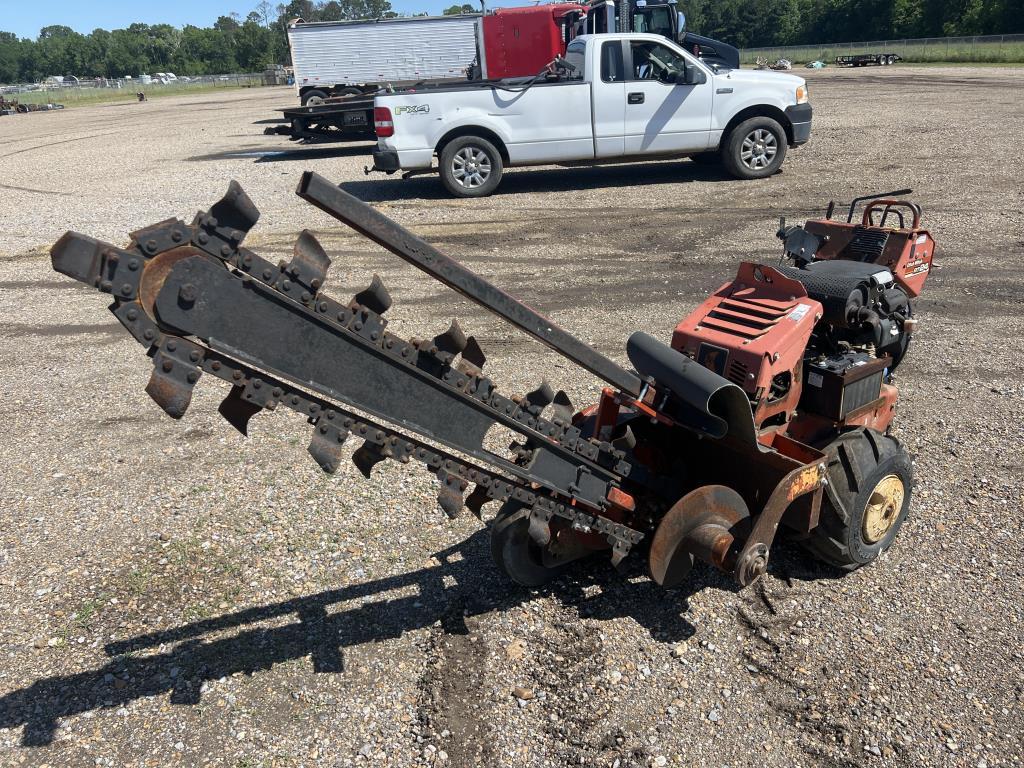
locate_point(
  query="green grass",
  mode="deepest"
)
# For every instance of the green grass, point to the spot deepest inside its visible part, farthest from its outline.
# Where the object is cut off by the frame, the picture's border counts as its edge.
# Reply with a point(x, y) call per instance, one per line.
point(932, 52)
point(73, 97)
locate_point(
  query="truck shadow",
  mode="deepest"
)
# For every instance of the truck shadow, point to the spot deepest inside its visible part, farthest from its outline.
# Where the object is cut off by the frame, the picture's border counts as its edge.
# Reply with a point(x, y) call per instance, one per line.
point(574, 179)
point(464, 584)
point(302, 153)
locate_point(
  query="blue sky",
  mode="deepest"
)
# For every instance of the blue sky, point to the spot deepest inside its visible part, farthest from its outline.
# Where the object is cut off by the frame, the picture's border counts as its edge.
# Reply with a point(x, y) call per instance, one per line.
point(26, 17)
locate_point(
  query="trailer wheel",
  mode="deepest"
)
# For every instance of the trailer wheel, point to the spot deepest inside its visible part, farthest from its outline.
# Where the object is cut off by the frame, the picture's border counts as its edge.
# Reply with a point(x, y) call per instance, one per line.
point(470, 167)
point(755, 148)
point(350, 91)
point(514, 551)
point(866, 501)
point(313, 98)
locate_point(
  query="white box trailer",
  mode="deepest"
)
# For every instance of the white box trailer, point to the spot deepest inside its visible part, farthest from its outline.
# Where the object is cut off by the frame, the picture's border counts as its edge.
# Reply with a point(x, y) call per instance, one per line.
point(338, 58)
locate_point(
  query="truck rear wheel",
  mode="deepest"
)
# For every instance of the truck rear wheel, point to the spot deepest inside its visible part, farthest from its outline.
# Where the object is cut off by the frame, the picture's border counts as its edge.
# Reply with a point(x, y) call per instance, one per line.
point(755, 148)
point(313, 98)
point(866, 501)
point(470, 167)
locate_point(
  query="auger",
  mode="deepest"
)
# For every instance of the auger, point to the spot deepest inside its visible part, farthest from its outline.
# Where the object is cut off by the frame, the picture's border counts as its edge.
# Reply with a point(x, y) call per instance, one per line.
point(770, 407)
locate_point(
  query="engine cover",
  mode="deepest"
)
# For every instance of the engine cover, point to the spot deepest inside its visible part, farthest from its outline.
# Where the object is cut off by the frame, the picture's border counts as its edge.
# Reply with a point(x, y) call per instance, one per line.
point(753, 332)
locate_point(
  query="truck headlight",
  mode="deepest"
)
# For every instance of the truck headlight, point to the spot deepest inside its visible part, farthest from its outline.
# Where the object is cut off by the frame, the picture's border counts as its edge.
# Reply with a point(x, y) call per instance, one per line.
point(802, 94)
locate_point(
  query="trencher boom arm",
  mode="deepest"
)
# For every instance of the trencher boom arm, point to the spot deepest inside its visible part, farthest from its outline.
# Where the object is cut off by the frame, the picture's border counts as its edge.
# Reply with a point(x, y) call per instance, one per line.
point(202, 303)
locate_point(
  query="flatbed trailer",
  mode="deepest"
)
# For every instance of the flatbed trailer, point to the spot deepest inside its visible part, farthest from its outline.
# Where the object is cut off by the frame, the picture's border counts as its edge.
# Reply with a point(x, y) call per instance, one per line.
point(345, 119)
point(868, 59)
point(350, 118)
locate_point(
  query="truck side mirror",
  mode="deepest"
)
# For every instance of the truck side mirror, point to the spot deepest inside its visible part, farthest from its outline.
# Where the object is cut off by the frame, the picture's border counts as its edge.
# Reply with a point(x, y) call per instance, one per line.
point(691, 75)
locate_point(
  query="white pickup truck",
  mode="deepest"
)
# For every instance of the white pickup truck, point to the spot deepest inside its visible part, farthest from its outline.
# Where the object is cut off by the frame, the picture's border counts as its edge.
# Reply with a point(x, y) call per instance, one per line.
point(626, 96)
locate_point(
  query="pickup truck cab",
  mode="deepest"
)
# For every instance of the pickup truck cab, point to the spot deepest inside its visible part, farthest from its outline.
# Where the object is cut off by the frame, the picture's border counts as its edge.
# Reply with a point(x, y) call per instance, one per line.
point(624, 96)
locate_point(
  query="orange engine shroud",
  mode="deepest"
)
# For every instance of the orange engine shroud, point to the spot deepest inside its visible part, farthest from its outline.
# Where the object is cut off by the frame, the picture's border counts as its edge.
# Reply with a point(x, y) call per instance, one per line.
point(753, 331)
point(906, 251)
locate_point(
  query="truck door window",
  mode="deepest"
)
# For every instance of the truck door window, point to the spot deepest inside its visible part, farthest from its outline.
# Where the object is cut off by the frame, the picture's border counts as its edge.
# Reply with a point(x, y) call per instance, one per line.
point(611, 63)
point(575, 53)
point(654, 61)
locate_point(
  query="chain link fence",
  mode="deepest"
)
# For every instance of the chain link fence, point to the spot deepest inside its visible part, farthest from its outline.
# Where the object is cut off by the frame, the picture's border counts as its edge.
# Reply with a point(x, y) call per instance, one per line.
point(981, 48)
point(106, 89)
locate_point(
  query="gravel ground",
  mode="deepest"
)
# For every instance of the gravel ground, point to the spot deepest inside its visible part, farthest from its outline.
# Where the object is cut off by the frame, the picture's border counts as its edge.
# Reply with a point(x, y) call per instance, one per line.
point(177, 595)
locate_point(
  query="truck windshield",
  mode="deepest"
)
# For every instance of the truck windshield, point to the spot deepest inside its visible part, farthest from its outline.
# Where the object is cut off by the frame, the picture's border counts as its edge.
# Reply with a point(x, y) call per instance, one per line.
point(657, 20)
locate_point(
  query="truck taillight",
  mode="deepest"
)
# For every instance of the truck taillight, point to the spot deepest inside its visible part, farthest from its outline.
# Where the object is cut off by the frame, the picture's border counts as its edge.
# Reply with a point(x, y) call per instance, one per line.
point(382, 122)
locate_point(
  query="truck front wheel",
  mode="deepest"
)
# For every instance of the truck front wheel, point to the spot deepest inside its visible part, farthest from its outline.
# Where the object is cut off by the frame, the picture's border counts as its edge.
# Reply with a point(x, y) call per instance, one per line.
point(755, 148)
point(470, 167)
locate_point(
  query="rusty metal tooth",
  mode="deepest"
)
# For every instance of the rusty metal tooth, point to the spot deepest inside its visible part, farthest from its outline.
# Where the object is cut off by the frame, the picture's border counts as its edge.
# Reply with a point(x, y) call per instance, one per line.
point(476, 500)
point(627, 442)
point(540, 528)
point(562, 407)
point(452, 341)
point(171, 384)
point(309, 263)
point(326, 446)
point(235, 211)
point(450, 496)
point(375, 296)
point(540, 398)
point(472, 356)
point(366, 457)
point(237, 411)
point(78, 256)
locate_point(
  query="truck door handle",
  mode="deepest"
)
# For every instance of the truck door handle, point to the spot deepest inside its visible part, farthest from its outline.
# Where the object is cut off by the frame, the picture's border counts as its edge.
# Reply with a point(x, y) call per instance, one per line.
point(635, 98)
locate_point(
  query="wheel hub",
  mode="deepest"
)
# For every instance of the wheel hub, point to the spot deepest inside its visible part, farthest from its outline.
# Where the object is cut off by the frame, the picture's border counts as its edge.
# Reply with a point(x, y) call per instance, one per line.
point(883, 508)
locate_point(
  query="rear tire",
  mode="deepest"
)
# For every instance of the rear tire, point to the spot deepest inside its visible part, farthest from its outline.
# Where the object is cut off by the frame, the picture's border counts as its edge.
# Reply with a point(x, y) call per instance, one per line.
point(514, 551)
point(871, 478)
point(470, 167)
point(755, 149)
point(313, 98)
point(350, 91)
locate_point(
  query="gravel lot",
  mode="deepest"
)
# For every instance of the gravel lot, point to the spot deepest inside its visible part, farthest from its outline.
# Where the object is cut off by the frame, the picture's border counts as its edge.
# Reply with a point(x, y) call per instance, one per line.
point(177, 595)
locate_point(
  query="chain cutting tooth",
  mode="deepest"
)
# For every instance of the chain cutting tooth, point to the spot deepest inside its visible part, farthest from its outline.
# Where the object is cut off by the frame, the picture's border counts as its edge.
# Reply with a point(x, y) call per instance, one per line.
point(309, 263)
point(562, 407)
point(627, 442)
point(375, 296)
point(450, 496)
point(476, 500)
point(540, 398)
point(174, 376)
point(326, 446)
point(473, 357)
point(234, 211)
point(452, 341)
point(366, 457)
point(237, 411)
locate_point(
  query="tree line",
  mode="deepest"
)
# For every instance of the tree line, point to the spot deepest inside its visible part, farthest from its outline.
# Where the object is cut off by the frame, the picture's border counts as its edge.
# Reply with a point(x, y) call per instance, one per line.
point(260, 40)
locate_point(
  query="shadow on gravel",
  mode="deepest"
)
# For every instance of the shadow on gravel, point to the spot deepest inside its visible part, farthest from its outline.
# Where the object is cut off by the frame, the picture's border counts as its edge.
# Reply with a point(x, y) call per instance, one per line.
point(322, 629)
point(548, 180)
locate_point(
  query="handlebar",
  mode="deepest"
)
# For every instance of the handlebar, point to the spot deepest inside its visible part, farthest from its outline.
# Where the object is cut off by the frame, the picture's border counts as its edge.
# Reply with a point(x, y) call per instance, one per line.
point(888, 206)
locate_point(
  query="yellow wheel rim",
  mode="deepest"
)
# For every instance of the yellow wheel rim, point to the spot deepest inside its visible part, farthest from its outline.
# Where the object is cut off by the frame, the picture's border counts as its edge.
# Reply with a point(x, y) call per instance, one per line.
point(883, 508)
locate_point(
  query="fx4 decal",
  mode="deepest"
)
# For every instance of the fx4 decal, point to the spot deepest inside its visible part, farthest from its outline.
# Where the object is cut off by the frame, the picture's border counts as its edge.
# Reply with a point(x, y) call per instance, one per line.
point(414, 109)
